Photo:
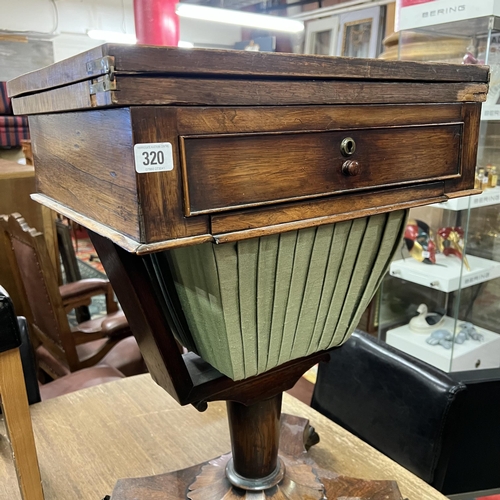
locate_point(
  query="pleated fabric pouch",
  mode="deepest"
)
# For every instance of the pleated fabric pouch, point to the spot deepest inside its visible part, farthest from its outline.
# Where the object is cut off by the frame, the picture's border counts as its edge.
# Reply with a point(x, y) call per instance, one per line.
point(255, 304)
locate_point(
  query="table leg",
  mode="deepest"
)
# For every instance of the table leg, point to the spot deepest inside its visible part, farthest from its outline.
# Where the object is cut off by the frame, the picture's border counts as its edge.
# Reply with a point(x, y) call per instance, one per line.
point(302, 478)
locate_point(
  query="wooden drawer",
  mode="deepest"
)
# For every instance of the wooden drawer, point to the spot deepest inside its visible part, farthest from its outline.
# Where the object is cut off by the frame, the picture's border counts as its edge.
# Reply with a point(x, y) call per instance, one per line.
point(224, 172)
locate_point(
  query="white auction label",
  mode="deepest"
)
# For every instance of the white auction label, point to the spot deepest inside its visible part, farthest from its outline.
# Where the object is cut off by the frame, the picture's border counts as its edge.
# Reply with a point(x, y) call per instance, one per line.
point(153, 157)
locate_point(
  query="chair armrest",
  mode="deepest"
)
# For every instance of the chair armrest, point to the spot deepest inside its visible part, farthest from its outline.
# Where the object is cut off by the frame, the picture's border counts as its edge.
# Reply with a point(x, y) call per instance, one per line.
point(80, 292)
point(113, 326)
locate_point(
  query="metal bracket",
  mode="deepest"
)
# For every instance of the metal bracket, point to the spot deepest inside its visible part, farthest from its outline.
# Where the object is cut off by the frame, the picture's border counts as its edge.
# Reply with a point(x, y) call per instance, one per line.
point(102, 84)
point(101, 66)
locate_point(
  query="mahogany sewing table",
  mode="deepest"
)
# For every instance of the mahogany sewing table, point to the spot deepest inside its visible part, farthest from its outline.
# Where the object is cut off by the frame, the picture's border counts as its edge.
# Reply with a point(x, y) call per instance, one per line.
point(180, 161)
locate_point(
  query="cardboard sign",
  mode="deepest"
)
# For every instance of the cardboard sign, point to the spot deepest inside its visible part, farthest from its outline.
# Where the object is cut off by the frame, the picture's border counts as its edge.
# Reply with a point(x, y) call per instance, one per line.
point(411, 14)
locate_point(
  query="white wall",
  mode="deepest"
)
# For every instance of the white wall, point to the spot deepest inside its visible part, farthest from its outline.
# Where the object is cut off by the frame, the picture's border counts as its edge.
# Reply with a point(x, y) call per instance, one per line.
point(75, 17)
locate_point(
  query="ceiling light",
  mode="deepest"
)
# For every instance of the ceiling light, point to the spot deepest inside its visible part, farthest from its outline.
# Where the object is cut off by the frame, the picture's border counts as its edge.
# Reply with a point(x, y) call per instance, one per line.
point(240, 18)
point(112, 36)
point(185, 45)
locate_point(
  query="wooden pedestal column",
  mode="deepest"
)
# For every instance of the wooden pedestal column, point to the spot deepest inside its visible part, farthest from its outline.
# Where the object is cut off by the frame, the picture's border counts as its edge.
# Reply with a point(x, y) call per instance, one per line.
point(254, 441)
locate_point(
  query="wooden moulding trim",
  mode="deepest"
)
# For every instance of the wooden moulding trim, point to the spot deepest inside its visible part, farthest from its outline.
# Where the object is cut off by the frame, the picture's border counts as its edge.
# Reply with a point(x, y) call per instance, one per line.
point(138, 248)
point(184, 174)
point(120, 239)
point(318, 221)
point(460, 194)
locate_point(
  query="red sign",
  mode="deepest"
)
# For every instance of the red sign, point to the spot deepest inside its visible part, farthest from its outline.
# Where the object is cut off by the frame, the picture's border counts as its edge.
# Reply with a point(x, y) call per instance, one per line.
point(408, 3)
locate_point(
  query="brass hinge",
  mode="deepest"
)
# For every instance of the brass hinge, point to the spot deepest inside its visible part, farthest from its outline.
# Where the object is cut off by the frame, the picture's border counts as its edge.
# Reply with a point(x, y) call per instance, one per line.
point(102, 84)
point(101, 66)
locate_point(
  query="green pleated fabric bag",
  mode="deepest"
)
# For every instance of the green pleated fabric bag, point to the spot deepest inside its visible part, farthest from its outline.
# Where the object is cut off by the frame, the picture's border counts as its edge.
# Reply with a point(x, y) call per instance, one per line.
point(255, 304)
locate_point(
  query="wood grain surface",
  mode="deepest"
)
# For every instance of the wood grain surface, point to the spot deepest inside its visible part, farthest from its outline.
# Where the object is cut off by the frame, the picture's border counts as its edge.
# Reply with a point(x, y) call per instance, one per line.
point(303, 479)
point(174, 61)
point(138, 91)
point(226, 172)
point(161, 193)
point(130, 428)
point(241, 120)
point(75, 96)
point(87, 159)
point(230, 158)
point(310, 213)
point(14, 403)
point(12, 170)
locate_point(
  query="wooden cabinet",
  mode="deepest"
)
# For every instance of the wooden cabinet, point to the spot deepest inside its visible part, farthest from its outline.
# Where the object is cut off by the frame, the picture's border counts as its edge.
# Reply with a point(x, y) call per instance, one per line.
point(252, 142)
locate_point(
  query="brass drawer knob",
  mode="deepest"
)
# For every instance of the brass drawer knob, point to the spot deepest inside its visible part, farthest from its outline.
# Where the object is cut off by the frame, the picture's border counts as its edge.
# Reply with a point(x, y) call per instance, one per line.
point(350, 167)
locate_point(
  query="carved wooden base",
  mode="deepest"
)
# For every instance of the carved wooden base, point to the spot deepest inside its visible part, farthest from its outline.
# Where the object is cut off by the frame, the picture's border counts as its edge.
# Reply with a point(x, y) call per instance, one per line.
point(303, 479)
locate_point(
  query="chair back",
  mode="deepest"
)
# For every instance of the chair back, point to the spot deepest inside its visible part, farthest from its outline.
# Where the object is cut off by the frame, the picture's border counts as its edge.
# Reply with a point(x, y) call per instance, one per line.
point(407, 409)
point(48, 318)
point(9, 276)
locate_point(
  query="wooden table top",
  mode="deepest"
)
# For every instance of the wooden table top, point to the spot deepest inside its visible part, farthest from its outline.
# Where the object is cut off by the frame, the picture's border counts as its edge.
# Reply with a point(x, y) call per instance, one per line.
point(11, 169)
point(89, 439)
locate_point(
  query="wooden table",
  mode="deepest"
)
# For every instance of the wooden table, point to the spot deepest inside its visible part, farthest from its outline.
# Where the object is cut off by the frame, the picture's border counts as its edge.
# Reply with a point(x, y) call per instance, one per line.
point(89, 439)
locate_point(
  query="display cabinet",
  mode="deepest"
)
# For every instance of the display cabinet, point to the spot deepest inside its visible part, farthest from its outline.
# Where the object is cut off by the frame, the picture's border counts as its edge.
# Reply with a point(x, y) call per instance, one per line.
point(434, 304)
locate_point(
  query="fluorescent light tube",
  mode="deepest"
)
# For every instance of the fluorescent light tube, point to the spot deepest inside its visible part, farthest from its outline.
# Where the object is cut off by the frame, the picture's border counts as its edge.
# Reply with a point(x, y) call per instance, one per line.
point(112, 36)
point(239, 18)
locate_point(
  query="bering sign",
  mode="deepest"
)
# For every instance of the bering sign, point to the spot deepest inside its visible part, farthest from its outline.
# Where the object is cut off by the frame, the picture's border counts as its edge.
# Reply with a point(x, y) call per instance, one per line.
point(442, 12)
point(412, 14)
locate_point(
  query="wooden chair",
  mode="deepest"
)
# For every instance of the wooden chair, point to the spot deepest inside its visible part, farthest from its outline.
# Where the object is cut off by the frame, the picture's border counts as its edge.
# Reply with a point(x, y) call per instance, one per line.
point(14, 404)
point(64, 348)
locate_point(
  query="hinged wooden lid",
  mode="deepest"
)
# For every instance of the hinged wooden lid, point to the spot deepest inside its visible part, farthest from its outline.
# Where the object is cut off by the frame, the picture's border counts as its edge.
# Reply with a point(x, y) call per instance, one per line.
point(120, 75)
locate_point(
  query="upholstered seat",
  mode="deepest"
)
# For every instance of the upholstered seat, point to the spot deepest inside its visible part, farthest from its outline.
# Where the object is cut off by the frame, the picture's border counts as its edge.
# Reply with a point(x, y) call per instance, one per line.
point(64, 348)
point(70, 382)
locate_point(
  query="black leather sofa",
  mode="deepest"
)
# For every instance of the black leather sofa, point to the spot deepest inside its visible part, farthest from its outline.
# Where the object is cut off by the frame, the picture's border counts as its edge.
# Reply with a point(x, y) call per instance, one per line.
point(445, 428)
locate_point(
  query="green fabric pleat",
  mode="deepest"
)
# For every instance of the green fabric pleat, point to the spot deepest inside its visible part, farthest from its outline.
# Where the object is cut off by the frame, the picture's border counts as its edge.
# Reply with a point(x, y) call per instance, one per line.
point(247, 273)
point(313, 289)
point(197, 284)
point(284, 266)
point(266, 276)
point(258, 303)
point(393, 232)
point(301, 261)
point(227, 268)
point(343, 280)
point(341, 232)
point(361, 273)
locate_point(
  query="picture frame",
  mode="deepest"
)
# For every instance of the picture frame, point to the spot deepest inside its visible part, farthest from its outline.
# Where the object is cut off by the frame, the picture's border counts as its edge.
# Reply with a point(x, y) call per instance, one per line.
point(321, 36)
point(359, 33)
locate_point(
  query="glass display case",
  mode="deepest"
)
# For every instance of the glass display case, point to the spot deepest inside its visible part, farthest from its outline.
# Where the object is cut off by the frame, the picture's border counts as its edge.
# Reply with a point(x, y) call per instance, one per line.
point(441, 299)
